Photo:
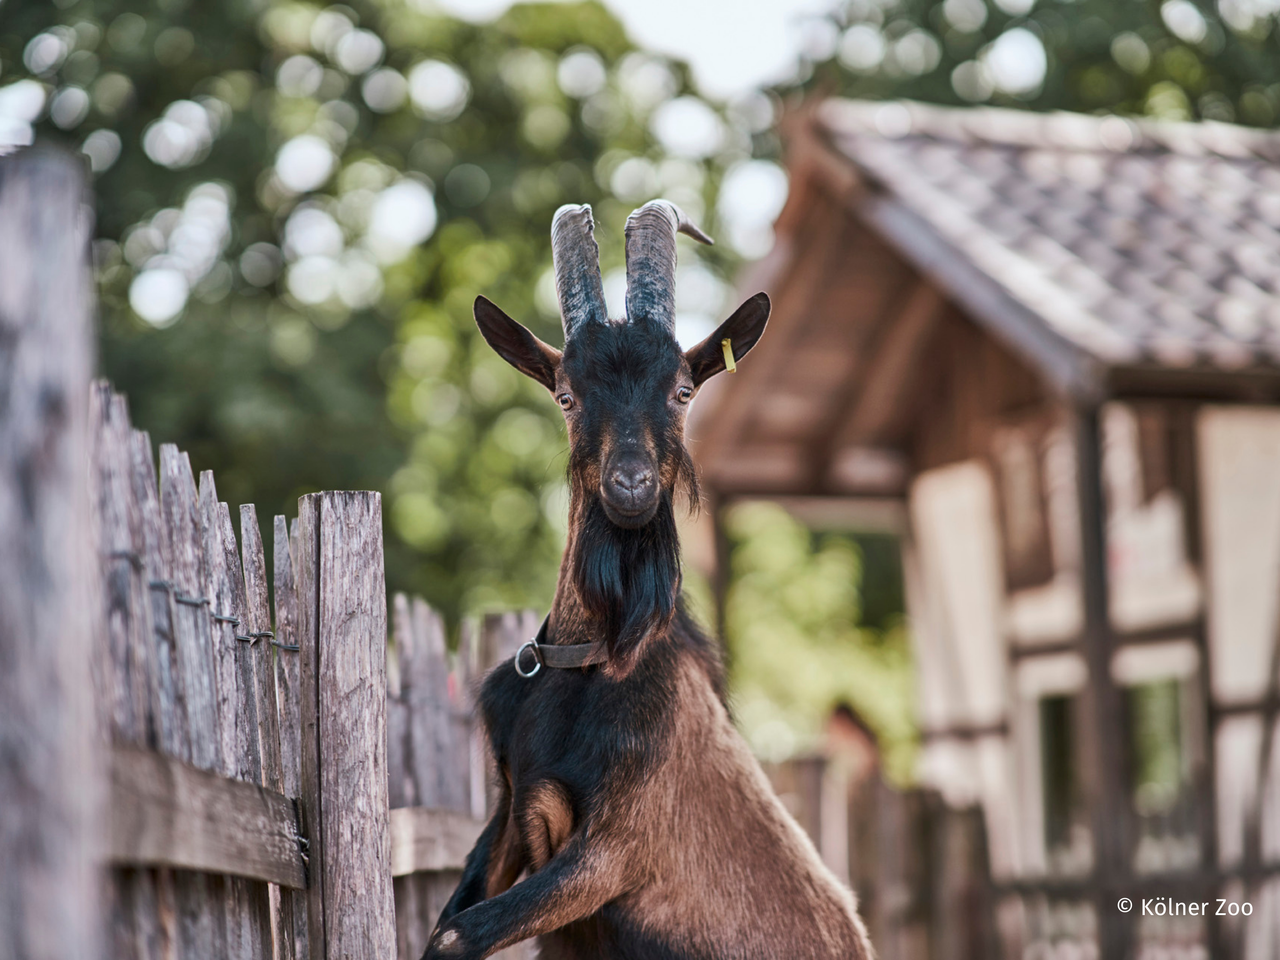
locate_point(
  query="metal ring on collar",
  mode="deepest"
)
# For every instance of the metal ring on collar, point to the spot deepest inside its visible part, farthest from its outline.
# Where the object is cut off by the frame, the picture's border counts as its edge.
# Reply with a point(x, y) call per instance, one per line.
point(537, 660)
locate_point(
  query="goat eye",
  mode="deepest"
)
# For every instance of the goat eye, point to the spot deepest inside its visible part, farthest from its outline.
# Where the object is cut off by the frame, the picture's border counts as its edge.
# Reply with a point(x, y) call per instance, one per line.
point(565, 401)
point(684, 394)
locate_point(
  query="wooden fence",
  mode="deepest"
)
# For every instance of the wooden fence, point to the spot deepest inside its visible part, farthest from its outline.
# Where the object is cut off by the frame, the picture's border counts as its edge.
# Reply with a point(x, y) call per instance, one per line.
point(195, 762)
point(917, 865)
point(218, 713)
point(439, 782)
point(248, 771)
point(268, 773)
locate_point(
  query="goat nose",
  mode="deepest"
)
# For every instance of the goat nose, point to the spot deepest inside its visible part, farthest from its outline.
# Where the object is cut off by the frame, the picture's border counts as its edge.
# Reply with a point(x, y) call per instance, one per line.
point(633, 479)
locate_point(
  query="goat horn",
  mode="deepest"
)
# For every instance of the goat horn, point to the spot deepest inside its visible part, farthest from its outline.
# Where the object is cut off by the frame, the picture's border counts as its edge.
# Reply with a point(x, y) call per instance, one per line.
point(577, 264)
point(651, 260)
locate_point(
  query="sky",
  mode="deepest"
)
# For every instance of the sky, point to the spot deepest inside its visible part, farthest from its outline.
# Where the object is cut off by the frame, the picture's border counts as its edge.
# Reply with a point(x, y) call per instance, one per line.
point(733, 46)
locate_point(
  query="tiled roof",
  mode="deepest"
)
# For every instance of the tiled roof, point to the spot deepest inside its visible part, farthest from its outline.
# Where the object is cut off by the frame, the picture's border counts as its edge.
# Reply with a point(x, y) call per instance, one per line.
point(1139, 242)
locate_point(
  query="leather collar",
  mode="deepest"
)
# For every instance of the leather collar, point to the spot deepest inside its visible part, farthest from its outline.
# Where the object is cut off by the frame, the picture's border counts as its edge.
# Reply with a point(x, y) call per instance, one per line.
point(556, 655)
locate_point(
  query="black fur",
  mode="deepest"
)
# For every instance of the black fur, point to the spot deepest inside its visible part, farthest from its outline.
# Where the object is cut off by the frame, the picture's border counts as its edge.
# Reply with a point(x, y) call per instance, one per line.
point(628, 580)
point(631, 821)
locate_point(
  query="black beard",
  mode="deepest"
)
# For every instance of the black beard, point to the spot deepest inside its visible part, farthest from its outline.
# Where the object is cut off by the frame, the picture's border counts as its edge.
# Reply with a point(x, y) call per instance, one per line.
point(627, 580)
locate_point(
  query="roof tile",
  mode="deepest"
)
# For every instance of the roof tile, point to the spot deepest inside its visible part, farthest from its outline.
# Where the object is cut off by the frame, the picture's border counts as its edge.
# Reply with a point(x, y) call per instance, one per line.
point(1137, 241)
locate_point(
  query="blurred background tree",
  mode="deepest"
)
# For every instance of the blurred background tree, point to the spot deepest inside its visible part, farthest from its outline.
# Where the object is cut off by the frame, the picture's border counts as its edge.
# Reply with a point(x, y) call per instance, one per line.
point(298, 202)
point(297, 205)
point(1173, 60)
point(816, 621)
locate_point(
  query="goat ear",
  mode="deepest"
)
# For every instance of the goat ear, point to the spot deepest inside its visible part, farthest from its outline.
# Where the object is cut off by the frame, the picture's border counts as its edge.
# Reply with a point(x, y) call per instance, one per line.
point(742, 329)
point(515, 344)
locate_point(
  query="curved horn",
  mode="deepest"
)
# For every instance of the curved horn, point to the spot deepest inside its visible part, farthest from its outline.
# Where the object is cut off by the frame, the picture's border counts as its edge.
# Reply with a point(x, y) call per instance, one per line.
point(577, 264)
point(651, 260)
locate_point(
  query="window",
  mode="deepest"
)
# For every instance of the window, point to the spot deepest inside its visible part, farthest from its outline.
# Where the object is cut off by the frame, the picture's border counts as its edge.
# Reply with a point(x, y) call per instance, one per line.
point(1066, 834)
point(1161, 764)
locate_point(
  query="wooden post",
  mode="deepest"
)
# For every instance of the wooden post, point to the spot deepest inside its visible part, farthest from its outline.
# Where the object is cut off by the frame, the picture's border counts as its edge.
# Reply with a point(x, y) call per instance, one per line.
point(343, 633)
point(1105, 731)
point(48, 786)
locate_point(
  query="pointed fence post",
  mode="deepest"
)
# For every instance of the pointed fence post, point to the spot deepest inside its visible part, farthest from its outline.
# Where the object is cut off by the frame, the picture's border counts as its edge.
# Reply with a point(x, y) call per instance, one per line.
point(342, 631)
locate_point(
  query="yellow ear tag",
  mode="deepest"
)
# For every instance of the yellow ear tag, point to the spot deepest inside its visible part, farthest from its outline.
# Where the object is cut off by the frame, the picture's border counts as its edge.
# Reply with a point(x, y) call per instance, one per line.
point(727, 345)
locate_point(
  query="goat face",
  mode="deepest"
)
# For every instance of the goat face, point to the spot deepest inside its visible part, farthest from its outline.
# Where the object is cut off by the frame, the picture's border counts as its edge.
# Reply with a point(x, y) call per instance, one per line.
point(624, 390)
point(624, 387)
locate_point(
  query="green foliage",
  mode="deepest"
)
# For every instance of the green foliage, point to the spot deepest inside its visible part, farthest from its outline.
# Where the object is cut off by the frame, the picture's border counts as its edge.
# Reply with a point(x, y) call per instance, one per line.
point(302, 201)
point(297, 205)
point(1159, 754)
point(799, 645)
point(1177, 59)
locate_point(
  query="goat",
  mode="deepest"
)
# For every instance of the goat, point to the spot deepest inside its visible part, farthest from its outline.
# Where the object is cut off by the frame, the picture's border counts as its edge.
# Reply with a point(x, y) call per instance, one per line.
point(645, 827)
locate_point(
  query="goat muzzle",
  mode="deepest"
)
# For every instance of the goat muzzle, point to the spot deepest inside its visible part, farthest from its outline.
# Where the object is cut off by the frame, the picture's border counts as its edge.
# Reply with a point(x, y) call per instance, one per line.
point(630, 491)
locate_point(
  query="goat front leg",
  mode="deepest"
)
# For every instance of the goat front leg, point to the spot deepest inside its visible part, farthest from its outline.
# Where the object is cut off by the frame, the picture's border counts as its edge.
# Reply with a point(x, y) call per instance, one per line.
point(492, 865)
point(580, 879)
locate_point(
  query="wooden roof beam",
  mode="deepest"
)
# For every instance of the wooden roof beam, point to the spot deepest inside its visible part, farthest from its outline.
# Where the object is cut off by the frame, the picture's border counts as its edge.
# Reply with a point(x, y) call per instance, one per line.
point(898, 352)
point(876, 384)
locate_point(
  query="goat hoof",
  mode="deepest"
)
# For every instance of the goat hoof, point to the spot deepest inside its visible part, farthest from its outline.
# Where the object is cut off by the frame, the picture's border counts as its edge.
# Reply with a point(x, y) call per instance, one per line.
point(444, 945)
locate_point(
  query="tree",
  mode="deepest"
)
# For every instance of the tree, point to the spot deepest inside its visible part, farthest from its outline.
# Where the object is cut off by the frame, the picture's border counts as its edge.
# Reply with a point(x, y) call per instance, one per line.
point(1177, 59)
point(297, 205)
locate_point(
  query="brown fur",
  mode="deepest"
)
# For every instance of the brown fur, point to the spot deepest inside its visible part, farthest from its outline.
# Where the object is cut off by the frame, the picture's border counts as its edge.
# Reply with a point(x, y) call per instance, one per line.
point(546, 820)
point(507, 859)
point(643, 825)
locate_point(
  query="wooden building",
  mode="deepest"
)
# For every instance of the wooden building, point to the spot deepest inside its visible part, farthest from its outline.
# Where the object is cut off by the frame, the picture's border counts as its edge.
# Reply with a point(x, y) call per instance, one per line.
point(1045, 350)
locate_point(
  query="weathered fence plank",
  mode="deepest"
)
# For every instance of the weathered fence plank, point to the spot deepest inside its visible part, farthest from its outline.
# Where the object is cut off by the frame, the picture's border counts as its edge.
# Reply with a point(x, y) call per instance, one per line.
point(168, 813)
point(123, 685)
point(202, 920)
point(424, 688)
point(343, 631)
point(179, 509)
point(400, 790)
point(170, 715)
point(270, 771)
point(123, 689)
point(287, 695)
point(411, 929)
point(429, 771)
point(48, 905)
point(168, 711)
point(287, 667)
point(248, 902)
point(424, 839)
point(499, 637)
